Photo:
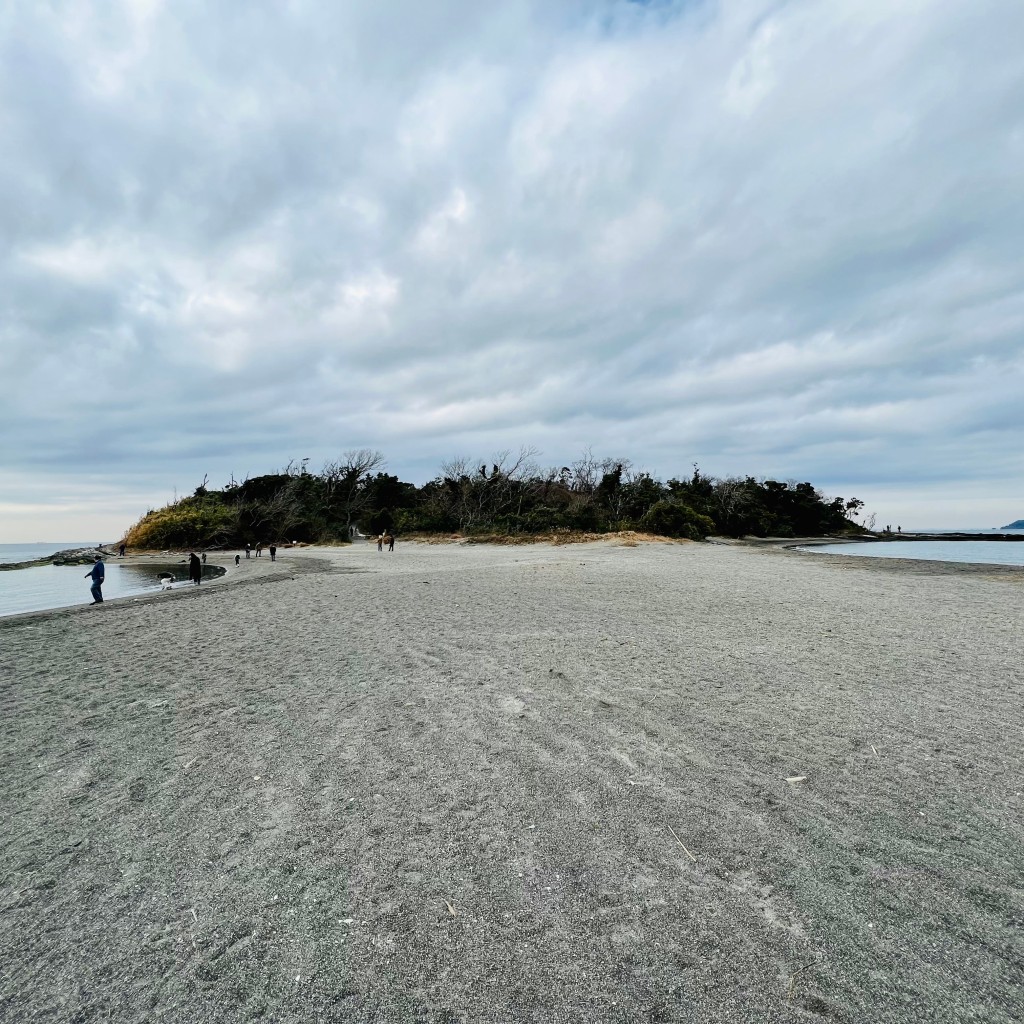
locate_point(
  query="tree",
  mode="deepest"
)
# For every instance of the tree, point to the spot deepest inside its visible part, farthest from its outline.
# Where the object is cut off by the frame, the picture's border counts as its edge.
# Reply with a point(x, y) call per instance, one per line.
point(476, 499)
point(386, 496)
point(274, 518)
point(344, 480)
point(638, 495)
point(673, 519)
point(506, 494)
point(734, 506)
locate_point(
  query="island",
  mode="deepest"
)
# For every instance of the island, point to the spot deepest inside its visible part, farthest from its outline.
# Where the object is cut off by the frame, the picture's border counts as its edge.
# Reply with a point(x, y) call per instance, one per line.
point(509, 497)
point(1016, 525)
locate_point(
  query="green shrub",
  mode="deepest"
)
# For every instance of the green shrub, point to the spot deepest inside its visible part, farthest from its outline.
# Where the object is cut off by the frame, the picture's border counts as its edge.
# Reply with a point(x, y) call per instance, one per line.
point(199, 522)
point(674, 519)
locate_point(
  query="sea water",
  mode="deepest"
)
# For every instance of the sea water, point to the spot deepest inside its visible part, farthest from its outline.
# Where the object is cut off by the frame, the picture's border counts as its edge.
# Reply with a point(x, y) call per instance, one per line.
point(30, 552)
point(61, 586)
point(982, 552)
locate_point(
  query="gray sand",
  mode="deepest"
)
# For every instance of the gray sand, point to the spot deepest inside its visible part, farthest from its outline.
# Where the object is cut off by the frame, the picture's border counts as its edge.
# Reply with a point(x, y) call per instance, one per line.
point(442, 784)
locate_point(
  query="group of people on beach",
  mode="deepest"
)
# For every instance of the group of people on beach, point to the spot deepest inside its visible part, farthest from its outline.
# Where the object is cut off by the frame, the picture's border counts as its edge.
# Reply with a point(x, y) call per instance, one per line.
point(259, 551)
point(98, 571)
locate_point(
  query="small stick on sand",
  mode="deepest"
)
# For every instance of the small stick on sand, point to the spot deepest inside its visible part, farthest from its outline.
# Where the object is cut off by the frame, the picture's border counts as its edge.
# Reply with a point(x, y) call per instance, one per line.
point(796, 778)
point(792, 980)
point(875, 751)
point(680, 842)
point(194, 918)
point(451, 909)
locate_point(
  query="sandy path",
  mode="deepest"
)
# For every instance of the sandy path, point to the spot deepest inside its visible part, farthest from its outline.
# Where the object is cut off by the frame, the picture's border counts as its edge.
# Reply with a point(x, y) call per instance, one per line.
point(438, 785)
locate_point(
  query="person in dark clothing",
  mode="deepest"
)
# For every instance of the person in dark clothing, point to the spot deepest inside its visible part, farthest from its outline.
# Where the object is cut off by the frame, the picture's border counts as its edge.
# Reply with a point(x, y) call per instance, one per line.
point(204, 558)
point(248, 548)
point(120, 550)
point(195, 568)
point(273, 552)
point(238, 558)
point(98, 573)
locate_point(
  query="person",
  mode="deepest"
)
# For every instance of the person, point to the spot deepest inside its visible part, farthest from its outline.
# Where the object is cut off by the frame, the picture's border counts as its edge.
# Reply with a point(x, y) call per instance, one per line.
point(380, 541)
point(273, 552)
point(259, 548)
point(120, 550)
point(238, 558)
point(98, 573)
point(247, 549)
point(391, 542)
point(204, 558)
point(195, 568)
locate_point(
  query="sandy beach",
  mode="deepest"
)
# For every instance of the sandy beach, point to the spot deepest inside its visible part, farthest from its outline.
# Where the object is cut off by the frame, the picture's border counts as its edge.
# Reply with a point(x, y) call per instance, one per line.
point(663, 782)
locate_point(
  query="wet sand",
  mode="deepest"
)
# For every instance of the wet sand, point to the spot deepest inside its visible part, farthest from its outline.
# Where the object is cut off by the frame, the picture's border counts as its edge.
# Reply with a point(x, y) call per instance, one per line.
point(473, 783)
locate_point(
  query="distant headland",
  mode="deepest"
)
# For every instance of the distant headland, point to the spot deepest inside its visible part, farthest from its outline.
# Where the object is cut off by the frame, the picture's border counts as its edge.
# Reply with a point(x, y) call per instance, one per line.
point(1016, 525)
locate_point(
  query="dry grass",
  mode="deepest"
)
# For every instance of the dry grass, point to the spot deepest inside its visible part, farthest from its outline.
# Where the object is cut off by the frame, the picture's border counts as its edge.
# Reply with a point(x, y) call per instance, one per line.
point(626, 538)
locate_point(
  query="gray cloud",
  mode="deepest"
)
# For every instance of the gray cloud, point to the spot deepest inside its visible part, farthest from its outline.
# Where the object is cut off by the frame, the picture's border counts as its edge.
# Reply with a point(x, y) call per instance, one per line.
point(775, 238)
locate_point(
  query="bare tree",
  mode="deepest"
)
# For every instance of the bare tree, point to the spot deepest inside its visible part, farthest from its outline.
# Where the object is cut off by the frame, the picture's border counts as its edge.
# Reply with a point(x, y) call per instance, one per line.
point(508, 479)
point(455, 469)
point(475, 495)
point(275, 518)
point(345, 482)
point(585, 472)
point(730, 499)
point(588, 471)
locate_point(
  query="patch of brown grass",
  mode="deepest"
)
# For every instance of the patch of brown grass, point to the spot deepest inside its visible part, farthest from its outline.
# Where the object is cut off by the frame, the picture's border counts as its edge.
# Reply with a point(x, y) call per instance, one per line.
point(626, 538)
point(632, 538)
point(432, 538)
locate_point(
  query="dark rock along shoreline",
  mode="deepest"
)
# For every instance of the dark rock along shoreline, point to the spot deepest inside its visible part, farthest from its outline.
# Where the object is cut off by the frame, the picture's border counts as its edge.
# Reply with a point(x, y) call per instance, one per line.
point(72, 556)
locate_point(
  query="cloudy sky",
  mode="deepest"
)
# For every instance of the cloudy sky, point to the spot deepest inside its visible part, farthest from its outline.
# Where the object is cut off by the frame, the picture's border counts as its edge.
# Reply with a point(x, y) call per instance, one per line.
point(774, 237)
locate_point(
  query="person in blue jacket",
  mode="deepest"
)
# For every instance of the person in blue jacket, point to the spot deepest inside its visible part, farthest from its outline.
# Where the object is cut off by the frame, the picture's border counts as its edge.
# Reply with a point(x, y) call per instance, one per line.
point(98, 573)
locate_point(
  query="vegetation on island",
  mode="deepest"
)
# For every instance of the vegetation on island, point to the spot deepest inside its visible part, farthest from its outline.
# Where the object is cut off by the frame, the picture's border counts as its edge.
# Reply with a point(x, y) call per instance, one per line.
point(509, 495)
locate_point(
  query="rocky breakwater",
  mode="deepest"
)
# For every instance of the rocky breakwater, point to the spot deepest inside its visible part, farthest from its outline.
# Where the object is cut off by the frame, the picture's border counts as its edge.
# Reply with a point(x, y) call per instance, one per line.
point(73, 556)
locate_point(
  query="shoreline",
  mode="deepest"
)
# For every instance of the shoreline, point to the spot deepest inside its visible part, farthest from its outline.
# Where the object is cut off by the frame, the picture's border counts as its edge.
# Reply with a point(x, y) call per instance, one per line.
point(155, 559)
point(302, 559)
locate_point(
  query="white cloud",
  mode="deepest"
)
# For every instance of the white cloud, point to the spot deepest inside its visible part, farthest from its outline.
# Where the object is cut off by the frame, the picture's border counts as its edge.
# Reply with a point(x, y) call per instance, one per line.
point(441, 232)
point(775, 238)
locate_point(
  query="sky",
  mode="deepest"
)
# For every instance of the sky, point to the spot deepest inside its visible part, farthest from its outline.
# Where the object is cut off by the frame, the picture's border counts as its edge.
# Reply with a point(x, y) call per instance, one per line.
point(778, 238)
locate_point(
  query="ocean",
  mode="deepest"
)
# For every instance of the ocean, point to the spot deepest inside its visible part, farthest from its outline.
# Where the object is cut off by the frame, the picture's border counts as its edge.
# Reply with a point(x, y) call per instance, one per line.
point(61, 586)
point(982, 552)
point(29, 552)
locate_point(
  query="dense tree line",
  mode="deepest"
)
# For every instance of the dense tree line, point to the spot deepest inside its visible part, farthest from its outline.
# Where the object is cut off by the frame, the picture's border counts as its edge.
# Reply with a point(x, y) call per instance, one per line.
point(507, 495)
